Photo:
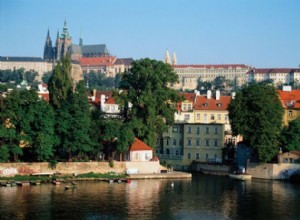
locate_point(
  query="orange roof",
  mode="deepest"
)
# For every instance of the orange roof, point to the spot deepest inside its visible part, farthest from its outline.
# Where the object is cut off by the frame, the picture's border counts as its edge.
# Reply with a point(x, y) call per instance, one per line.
point(202, 103)
point(290, 98)
point(187, 96)
point(139, 145)
point(45, 96)
point(110, 101)
point(97, 61)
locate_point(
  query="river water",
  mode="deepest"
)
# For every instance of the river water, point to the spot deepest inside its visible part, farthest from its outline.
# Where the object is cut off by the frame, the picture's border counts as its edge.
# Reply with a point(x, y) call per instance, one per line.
point(202, 197)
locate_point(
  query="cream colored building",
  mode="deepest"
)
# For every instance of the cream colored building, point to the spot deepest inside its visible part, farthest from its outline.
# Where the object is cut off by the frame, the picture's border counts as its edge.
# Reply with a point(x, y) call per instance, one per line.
point(279, 76)
point(37, 64)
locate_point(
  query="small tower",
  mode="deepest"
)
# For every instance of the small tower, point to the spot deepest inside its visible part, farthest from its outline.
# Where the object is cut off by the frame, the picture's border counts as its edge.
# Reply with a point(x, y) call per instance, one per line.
point(167, 57)
point(48, 49)
point(57, 46)
point(80, 40)
point(174, 59)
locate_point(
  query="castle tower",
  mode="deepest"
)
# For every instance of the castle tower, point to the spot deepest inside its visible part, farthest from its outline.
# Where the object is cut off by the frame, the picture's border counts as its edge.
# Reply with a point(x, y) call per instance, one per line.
point(174, 59)
point(63, 42)
point(48, 49)
point(167, 57)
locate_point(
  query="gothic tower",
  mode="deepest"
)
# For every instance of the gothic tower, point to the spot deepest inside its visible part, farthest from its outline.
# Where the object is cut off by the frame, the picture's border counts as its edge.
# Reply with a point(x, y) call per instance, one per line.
point(167, 57)
point(174, 59)
point(48, 49)
point(63, 42)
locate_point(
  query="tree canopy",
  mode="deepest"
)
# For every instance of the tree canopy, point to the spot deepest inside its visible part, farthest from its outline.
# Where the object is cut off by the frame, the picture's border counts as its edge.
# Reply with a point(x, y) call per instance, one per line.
point(146, 99)
point(290, 136)
point(256, 114)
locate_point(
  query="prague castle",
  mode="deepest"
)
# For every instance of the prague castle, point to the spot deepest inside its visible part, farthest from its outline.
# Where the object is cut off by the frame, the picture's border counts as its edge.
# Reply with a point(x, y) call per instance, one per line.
point(64, 46)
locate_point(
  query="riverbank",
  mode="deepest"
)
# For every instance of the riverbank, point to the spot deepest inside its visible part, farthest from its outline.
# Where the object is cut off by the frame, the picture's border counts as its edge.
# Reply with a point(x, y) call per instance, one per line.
point(168, 175)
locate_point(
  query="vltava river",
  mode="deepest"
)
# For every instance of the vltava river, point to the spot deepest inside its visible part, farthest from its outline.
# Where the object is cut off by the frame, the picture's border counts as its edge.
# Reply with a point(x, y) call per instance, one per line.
point(202, 197)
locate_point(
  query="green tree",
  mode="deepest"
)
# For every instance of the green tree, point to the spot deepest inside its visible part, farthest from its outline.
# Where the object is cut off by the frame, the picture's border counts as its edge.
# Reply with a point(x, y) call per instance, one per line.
point(290, 136)
point(256, 114)
point(60, 83)
point(220, 83)
point(145, 89)
point(46, 77)
point(27, 122)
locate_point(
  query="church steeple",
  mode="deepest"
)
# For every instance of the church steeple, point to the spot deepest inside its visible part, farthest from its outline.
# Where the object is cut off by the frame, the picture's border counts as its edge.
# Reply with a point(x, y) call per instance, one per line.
point(80, 40)
point(167, 57)
point(48, 49)
point(65, 33)
point(174, 59)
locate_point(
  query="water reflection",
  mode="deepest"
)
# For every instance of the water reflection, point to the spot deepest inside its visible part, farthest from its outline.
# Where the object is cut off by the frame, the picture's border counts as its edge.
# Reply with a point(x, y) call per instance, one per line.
point(202, 197)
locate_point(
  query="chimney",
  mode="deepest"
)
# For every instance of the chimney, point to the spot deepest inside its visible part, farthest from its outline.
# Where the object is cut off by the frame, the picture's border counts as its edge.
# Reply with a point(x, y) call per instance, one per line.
point(218, 95)
point(197, 92)
point(208, 96)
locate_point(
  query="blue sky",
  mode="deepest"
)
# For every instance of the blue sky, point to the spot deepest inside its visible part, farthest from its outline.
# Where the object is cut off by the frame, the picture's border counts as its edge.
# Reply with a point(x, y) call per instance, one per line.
point(261, 33)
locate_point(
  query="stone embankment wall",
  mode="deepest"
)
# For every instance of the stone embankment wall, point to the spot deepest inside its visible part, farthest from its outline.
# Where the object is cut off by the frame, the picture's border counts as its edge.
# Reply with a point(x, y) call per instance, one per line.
point(210, 168)
point(272, 171)
point(12, 169)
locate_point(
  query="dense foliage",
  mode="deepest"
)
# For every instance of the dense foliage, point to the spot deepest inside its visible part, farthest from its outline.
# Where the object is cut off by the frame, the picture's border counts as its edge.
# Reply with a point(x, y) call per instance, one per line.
point(256, 114)
point(146, 99)
point(290, 136)
point(100, 81)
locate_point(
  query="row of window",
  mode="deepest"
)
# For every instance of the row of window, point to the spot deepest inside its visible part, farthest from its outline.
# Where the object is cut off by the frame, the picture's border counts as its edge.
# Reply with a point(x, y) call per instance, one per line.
point(207, 143)
point(207, 157)
point(205, 116)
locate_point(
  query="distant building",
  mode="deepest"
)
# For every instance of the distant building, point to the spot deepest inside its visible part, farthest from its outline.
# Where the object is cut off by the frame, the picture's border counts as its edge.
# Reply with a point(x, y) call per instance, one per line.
point(278, 76)
point(64, 45)
point(189, 75)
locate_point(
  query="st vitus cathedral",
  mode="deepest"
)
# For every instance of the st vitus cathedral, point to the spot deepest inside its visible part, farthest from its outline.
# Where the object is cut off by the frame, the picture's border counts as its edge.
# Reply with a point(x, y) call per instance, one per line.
point(63, 46)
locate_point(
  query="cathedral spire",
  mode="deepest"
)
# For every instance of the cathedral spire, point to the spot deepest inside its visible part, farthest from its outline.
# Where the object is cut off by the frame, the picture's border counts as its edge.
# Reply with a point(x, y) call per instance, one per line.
point(167, 57)
point(80, 40)
point(65, 33)
point(174, 59)
point(48, 49)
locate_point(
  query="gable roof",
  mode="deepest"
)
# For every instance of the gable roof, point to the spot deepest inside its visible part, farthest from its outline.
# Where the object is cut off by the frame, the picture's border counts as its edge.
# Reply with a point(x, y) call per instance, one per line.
point(290, 98)
point(139, 145)
point(94, 49)
point(272, 70)
point(210, 66)
point(203, 103)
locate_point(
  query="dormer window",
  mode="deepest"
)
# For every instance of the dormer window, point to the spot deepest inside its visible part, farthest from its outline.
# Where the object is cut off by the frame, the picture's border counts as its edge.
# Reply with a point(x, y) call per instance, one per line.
point(205, 104)
point(219, 104)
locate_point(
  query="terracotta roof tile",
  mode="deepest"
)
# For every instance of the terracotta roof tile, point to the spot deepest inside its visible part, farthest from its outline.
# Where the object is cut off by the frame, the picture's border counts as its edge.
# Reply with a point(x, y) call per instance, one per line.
point(97, 61)
point(290, 98)
point(202, 103)
point(139, 145)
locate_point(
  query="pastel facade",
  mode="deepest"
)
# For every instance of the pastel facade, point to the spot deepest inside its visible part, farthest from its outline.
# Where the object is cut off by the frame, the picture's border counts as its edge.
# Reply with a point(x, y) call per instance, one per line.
point(290, 100)
point(139, 152)
point(279, 76)
point(190, 74)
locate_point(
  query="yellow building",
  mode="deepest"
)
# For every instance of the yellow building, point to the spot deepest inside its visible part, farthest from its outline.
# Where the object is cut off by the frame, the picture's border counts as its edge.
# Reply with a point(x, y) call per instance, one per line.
point(290, 100)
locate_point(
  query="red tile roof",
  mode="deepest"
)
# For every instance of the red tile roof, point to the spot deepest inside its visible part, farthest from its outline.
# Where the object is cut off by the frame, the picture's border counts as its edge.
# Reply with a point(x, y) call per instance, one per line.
point(202, 103)
point(139, 145)
point(290, 98)
point(187, 96)
point(97, 61)
point(110, 101)
point(210, 66)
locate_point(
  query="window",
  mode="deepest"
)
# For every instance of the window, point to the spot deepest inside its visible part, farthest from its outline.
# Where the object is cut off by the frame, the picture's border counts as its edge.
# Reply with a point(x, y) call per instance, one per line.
point(189, 142)
point(167, 151)
point(189, 130)
point(177, 152)
point(197, 142)
point(175, 129)
point(219, 117)
point(146, 156)
point(207, 130)
point(216, 143)
point(167, 141)
point(198, 116)
point(189, 156)
point(207, 143)
point(198, 130)
point(197, 156)
point(174, 142)
point(180, 142)
point(186, 117)
point(290, 113)
point(136, 156)
point(216, 130)
point(226, 118)
point(212, 117)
